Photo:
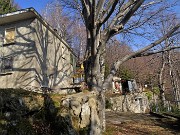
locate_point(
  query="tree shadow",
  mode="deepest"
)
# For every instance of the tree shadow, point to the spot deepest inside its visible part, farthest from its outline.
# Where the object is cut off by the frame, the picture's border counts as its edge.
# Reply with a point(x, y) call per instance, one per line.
point(39, 61)
point(59, 125)
point(168, 123)
point(15, 111)
point(24, 112)
point(38, 58)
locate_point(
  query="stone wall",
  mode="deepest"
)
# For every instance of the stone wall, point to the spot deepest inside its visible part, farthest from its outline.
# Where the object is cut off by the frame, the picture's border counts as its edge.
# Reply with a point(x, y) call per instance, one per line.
point(23, 112)
point(81, 107)
point(137, 103)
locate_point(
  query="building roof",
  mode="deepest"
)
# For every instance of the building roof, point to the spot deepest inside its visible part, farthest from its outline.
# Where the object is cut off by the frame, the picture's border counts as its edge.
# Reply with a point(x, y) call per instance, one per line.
point(17, 16)
point(29, 13)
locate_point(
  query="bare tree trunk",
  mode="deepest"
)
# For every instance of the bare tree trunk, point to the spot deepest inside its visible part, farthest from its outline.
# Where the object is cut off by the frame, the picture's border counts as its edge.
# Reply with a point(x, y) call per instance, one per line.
point(101, 103)
point(94, 75)
point(173, 81)
point(176, 82)
point(178, 91)
point(161, 81)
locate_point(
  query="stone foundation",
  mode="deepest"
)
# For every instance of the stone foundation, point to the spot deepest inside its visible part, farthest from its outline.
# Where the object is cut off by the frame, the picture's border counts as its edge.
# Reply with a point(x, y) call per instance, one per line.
point(137, 103)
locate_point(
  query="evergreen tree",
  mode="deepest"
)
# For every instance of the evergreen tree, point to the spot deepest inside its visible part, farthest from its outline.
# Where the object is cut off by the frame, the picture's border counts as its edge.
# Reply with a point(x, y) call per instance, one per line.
point(7, 6)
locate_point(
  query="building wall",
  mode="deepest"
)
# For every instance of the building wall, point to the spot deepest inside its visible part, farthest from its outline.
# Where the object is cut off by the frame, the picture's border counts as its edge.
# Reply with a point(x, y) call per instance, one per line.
point(21, 52)
point(54, 68)
point(37, 54)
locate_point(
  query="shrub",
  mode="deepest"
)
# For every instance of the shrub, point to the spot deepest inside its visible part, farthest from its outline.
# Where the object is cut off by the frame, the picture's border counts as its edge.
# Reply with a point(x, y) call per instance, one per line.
point(108, 104)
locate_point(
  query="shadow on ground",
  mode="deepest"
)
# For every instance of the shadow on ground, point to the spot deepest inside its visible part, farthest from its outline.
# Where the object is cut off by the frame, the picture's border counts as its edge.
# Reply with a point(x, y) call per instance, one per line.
point(139, 124)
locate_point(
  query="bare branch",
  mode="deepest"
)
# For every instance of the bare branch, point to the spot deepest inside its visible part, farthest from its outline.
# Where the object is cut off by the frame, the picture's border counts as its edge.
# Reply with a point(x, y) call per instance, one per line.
point(156, 52)
point(85, 10)
point(121, 13)
point(121, 24)
point(151, 3)
point(107, 9)
point(104, 19)
point(127, 57)
point(99, 8)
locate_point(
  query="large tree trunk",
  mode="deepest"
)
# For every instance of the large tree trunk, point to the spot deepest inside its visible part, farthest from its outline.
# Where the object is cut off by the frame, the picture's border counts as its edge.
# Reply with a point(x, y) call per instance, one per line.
point(94, 75)
point(92, 68)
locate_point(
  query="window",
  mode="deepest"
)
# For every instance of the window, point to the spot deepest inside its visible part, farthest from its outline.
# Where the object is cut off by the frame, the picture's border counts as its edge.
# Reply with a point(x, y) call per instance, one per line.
point(9, 36)
point(6, 64)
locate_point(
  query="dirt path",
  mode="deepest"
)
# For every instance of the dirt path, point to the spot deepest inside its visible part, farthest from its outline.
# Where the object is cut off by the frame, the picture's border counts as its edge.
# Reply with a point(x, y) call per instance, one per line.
point(140, 124)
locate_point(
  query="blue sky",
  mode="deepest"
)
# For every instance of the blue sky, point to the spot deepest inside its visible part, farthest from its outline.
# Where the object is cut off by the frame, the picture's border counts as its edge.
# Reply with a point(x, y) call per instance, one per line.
point(38, 5)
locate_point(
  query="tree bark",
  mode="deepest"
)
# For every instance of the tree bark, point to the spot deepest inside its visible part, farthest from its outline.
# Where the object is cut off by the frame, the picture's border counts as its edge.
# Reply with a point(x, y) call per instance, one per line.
point(94, 73)
point(161, 81)
point(176, 93)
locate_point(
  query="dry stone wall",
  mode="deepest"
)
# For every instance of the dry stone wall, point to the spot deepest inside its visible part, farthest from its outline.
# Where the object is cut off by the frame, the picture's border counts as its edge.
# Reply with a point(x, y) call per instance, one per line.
point(25, 112)
point(137, 103)
point(82, 107)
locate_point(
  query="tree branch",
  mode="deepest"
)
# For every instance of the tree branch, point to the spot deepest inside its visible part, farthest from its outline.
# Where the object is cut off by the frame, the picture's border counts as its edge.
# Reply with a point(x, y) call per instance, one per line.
point(127, 57)
point(121, 13)
point(121, 24)
point(85, 10)
point(160, 51)
point(106, 11)
point(104, 19)
point(99, 8)
point(151, 3)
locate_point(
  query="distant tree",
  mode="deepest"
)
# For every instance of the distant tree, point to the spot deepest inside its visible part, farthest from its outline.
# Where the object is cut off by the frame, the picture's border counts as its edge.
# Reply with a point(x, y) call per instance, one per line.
point(145, 70)
point(125, 73)
point(168, 70)
point(69, 27)
point(116, 50)
point(7, 6)
point(54, 15)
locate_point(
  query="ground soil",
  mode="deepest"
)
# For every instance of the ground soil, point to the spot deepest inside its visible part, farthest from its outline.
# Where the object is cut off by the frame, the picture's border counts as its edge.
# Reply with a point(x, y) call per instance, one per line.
point(140, 124)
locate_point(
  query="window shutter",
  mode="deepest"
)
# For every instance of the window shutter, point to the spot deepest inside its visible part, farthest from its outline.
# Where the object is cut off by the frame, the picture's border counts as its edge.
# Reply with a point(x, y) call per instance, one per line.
point(9, 35)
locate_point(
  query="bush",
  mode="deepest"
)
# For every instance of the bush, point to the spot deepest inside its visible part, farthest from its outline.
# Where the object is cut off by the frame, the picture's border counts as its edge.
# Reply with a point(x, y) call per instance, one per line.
point(175, 110)
point(158, 107)
point(108, 104)
point(149, 95)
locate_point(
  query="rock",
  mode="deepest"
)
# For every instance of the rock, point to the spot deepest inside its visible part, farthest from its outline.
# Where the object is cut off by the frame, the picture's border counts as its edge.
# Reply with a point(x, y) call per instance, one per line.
point(76, 107)
point(84, 108)
point(85, 115)
point(75, 103)
point(29, 112)
point(7, 114)
point(85, 99)
point(21, 102)
point(66, 102)
point(94, 118)
point(4, 132)
point(137, 103)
